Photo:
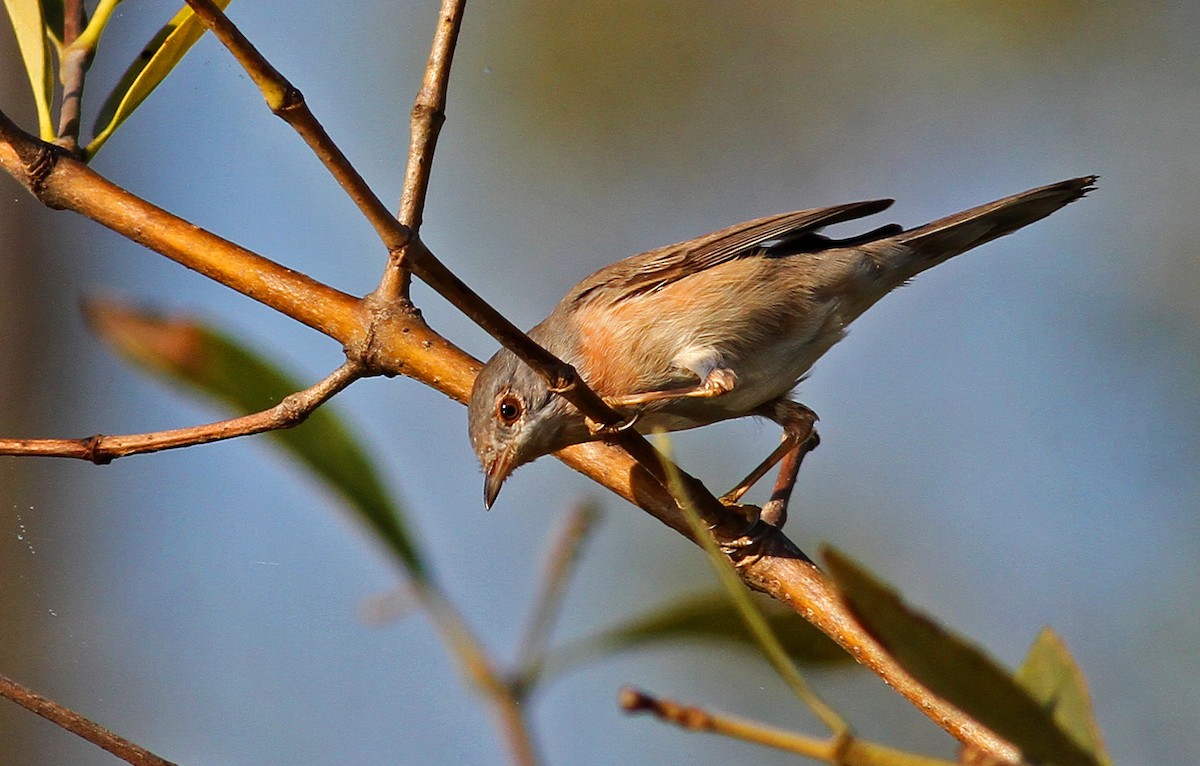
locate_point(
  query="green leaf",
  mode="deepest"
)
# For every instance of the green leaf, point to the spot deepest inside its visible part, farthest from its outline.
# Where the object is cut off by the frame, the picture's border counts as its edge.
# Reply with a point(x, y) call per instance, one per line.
point(706, 617)
point(152, 65)
point(954, 669)
point(26, 16)
point(1051, 677)
point(213, 364)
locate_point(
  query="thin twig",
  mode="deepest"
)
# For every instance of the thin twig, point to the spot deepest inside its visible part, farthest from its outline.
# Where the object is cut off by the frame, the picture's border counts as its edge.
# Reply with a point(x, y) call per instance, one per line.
point(72, 71)
point(79, 726)
point(475, 663)
point(564, 554)
point(287, 102)
point(839, 750)
point(101, 449)
point(425, 124)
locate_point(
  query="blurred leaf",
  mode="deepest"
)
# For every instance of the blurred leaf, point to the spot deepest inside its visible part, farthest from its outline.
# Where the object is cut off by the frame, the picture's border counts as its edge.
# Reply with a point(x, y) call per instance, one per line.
point(152, 65)
point(1051, 677)
point(954, 669)
point(706, 617)
point(26, 16)
point(215, 365)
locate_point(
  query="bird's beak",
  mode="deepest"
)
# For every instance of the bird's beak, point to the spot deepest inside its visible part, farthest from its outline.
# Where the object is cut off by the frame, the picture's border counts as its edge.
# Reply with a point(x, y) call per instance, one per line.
point(493, 479)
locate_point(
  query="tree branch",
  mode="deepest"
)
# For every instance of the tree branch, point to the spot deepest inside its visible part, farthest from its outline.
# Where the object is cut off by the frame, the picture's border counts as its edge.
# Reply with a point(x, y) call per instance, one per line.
point(425, 124)
point(841, 750)
point(474, 662)
point(73, 68)
point(78, 725)
point(63, 183)
point(101, 449)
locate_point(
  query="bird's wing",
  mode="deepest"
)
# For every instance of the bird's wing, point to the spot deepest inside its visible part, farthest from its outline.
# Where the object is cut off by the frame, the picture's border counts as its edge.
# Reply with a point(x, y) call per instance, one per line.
point(786, 233)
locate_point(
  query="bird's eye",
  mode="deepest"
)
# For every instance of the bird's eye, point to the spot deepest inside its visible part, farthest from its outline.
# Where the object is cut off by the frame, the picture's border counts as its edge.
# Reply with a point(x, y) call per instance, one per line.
point(508, 409)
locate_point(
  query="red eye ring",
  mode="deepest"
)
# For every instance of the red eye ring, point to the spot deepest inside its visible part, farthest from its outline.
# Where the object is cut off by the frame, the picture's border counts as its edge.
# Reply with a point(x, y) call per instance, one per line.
point(509, 409)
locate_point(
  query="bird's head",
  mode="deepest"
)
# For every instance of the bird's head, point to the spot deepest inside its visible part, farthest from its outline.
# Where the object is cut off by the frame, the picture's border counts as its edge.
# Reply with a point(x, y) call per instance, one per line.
point(513, 419)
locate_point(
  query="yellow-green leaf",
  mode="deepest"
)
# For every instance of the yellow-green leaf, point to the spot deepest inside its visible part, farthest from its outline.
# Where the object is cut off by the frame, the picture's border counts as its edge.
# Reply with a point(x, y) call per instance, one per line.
point(213, 364)
point(27, 21)
point(151, 66)
point(1051, 677)
point(954, 669)
point(707, 617)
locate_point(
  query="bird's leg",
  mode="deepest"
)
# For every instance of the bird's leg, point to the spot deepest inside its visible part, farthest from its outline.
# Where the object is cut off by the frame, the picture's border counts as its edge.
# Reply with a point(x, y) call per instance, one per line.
point(717, 381)
point(799, 438)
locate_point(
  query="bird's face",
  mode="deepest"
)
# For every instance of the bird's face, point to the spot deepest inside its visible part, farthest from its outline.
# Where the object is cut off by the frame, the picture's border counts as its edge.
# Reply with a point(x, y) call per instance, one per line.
point(514, 419)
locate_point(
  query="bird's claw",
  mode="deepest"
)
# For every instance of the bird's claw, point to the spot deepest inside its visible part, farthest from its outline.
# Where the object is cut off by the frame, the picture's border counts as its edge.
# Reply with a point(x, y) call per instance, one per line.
point(599, 430)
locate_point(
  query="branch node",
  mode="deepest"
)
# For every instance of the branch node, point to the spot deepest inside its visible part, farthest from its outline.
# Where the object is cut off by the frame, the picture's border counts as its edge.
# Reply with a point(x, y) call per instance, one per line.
point(93, 450)
point(40, 165)
point(290, 99)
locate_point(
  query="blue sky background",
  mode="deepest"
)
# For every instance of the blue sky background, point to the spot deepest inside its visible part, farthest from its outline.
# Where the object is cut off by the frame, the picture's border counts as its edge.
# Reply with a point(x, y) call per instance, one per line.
point(1011, 439)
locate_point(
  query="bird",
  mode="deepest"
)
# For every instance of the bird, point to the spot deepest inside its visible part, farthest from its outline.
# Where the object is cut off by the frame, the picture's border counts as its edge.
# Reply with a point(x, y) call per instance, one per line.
point(722, 326)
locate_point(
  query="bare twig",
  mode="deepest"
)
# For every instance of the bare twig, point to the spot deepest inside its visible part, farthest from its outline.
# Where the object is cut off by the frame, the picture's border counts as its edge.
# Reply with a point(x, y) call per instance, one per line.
point(842, 750)
point(72, 70)
point(473, 661)
point(78, 725)
point(287, 102)
point(564, 553)
point(425, 124)
point(101, 449)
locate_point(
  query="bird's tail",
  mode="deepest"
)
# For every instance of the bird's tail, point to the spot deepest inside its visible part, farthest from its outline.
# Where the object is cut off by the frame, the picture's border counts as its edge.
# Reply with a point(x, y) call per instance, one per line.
point(936, 242)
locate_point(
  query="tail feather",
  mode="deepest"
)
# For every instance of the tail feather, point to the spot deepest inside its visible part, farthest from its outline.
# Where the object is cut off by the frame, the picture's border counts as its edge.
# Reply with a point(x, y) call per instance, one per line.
point(936, 242)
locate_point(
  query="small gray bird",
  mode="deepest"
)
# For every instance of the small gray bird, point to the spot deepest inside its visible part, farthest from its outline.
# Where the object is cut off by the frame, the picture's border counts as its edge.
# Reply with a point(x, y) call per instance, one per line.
point(721, 326)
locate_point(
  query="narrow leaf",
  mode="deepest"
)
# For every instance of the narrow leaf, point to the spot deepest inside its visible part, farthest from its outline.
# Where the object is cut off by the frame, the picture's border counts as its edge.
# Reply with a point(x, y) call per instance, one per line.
point(954, 669)
point(212, 364)
point(1052, 677)
point(707, 617)
point(152, 65)
point(26, 16)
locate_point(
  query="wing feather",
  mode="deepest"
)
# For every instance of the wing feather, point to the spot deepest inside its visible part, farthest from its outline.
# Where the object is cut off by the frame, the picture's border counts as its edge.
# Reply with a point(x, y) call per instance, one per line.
point(656, 268)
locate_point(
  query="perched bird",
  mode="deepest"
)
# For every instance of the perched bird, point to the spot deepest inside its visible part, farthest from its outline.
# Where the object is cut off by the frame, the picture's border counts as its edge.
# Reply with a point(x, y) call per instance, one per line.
point(721, 326)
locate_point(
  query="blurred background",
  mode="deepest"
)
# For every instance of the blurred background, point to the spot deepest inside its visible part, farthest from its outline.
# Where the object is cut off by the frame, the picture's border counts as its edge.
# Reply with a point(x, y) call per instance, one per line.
point(1011, 440)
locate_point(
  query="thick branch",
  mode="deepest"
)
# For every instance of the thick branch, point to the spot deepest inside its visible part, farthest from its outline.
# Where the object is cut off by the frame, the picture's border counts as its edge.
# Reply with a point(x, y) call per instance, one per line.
point(101, 449)
point(62, 182)
point(78, 725)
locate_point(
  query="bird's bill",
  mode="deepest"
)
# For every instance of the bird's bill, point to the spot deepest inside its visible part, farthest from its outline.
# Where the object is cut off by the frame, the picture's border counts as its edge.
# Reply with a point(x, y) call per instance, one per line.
point(493, 478)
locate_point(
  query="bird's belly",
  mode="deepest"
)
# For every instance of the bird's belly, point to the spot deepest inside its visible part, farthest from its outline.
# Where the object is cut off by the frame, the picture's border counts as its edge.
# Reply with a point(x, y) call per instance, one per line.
point(768, 373)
